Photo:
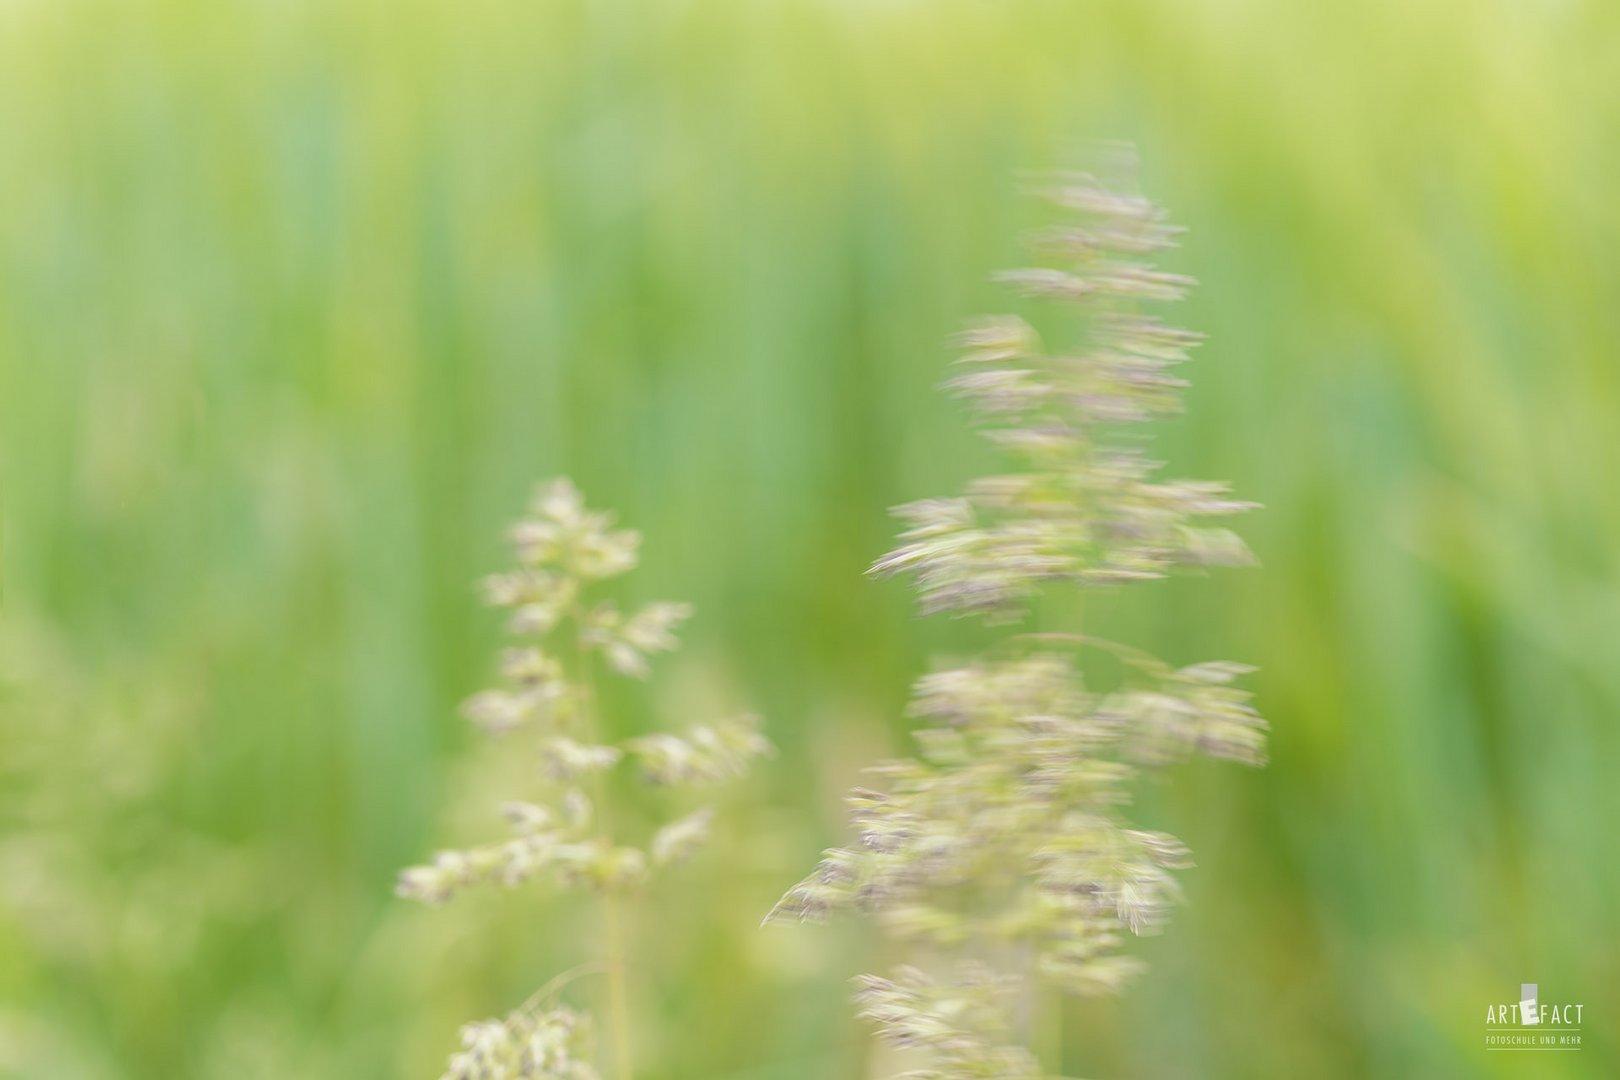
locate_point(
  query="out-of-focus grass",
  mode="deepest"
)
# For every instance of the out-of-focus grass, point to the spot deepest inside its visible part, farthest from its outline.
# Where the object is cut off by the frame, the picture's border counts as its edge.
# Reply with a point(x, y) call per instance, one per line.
point(296, 300)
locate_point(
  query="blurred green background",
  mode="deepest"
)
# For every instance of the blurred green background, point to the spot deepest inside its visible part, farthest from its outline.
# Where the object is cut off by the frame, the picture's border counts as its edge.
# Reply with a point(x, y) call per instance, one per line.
point(297, 300)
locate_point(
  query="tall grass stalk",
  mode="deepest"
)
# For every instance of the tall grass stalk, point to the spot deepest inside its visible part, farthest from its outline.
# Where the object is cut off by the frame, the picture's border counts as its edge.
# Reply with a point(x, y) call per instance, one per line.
point(548, 708)
point(1007, 834)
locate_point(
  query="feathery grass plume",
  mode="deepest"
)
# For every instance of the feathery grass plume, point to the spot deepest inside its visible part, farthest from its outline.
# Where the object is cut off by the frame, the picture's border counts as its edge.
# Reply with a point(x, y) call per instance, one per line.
point(546, 699)
point(1006, 835)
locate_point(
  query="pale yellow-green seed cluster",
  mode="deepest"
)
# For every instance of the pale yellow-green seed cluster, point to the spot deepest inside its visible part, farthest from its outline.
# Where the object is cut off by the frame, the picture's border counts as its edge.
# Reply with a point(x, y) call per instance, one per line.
point(1085, 506)
point(553, 1043)
point(543, 707)
point(1006, 834)
point(961, 1023)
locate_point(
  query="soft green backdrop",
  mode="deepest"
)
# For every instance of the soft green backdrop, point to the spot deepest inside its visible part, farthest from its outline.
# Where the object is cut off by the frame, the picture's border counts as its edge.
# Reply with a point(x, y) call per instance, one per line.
point(296, 301)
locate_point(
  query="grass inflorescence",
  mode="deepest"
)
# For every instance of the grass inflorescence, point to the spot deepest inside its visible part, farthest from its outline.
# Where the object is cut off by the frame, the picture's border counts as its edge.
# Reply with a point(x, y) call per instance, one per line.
point(1002, 855)
point(546, 703)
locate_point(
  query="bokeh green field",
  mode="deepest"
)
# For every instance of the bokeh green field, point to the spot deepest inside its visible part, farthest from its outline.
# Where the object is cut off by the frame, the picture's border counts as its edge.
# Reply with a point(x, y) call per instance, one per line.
point(297, 300)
